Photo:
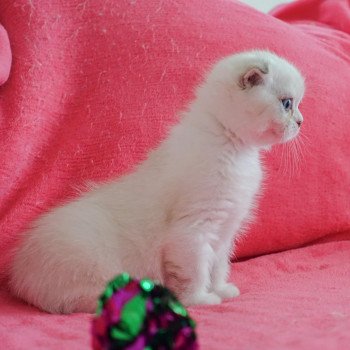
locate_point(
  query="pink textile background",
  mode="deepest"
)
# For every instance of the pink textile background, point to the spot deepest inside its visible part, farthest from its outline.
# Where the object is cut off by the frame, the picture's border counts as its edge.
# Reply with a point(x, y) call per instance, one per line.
point(95, 84)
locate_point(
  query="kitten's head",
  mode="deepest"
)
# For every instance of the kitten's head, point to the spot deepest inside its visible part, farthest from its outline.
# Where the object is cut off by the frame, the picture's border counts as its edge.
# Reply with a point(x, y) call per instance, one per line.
point(255, 96)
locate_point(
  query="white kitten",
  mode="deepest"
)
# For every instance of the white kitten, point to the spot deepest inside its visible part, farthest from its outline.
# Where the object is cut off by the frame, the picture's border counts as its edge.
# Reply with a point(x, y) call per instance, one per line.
point(175, 218)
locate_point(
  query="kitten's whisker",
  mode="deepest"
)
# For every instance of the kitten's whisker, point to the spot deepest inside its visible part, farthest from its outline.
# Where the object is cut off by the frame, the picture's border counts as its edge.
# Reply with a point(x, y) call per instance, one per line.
point(292, 156)
point(300, 149)
point(290, 161)
point(305, 143)
point(306, 138)
point(284, 160)
point(297, 155)
point(288, 165)
point(301, 154)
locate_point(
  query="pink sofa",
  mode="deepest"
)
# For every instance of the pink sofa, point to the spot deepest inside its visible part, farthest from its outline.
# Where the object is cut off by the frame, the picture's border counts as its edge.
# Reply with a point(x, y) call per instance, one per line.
point(95, 84)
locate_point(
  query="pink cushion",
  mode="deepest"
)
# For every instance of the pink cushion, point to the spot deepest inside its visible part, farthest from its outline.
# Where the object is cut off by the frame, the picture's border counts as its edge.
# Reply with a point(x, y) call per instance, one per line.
point(95, 85)
point(5, 55)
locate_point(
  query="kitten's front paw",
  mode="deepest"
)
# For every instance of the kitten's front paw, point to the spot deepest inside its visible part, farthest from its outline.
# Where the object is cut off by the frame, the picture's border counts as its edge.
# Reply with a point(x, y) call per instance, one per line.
point(203, 298)
point(227, 290)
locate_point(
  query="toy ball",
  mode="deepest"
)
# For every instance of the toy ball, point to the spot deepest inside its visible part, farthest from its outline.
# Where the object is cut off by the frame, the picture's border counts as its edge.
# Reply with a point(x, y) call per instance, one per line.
point(140, 314)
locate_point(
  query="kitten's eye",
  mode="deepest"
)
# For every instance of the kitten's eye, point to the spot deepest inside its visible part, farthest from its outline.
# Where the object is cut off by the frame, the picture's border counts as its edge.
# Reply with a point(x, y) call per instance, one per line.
point(287, 103)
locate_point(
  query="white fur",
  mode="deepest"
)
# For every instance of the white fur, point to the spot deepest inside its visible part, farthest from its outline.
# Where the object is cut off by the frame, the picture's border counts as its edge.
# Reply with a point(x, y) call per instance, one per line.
point(175, 218)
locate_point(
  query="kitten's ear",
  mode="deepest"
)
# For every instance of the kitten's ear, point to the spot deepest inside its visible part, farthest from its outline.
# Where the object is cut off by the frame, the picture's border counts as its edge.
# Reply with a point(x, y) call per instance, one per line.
point(253, 77)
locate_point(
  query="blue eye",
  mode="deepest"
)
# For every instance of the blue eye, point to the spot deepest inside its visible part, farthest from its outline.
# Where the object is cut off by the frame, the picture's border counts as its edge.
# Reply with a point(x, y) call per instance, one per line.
point(287, 104)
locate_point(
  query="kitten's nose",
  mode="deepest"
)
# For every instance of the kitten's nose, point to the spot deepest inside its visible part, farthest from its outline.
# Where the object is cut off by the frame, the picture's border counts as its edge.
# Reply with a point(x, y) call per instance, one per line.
point(299, 122)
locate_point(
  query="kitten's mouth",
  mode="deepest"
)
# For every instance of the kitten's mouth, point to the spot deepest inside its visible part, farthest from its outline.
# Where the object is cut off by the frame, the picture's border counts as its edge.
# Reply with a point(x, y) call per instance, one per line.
point(289, 136)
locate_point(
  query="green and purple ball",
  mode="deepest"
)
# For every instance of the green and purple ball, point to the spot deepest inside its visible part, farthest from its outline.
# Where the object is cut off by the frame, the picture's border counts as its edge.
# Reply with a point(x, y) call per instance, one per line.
point(141, 315)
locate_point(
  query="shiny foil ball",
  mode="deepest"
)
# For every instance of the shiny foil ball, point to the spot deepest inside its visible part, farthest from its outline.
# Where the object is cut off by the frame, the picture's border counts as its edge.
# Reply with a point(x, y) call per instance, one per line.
point(141, 315)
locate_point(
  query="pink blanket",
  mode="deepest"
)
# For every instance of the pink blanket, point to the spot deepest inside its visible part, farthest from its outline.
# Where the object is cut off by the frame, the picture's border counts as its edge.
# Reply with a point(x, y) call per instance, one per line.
point(95, 84)
point(298, 299)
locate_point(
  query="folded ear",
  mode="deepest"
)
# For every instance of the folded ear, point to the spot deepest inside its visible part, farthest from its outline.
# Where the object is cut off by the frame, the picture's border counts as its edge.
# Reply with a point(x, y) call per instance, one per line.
point(253, 77)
